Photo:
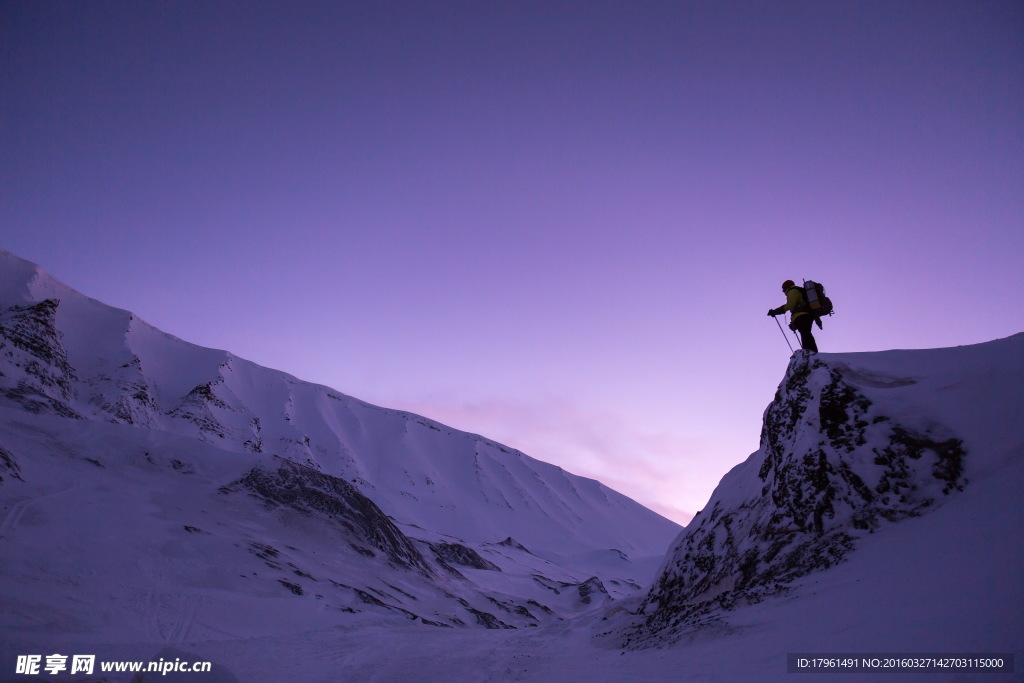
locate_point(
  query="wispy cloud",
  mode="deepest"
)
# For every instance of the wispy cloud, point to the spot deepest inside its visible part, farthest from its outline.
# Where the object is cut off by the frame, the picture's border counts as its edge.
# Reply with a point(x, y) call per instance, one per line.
point(665, 472)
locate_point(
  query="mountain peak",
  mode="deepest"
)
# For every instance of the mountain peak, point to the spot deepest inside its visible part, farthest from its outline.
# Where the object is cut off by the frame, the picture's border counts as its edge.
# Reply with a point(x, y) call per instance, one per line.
point(847, 448)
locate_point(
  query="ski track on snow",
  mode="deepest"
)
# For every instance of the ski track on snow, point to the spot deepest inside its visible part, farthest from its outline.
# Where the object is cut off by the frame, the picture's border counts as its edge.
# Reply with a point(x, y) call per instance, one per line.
point(14, 515)
point(170, 617)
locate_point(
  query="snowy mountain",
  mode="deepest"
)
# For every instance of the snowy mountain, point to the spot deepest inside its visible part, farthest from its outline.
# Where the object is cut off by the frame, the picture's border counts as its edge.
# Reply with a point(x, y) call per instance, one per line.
point(880, 518)
point(159, 500)
point(852, 445)
point(154, 487)
point(833, 466)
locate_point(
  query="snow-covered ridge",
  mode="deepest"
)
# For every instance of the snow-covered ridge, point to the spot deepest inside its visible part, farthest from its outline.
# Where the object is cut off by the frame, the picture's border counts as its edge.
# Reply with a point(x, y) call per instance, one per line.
point(184, 484)
point(66, 354)
point(851, 443)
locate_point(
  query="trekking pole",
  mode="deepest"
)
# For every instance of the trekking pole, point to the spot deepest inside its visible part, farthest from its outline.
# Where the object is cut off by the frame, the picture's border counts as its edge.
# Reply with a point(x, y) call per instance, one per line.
point(784, 334)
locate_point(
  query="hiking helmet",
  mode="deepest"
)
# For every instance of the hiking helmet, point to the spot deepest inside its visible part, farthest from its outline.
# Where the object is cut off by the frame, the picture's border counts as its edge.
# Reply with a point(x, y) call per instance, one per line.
point(787, 284)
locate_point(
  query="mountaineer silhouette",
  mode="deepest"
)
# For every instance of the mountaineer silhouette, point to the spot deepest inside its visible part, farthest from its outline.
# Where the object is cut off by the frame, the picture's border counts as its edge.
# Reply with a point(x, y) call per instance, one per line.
point(802, 314)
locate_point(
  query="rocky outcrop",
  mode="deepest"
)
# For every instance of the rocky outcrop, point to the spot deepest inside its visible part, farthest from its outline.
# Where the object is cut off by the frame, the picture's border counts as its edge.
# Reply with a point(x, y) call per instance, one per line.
point(831, 467)
point(201, 407)
point(125, 395)
point(458, 554)
point(309, 491)
point(38, 375)
point(9, 466)
point(513, 543)
point(593, 589)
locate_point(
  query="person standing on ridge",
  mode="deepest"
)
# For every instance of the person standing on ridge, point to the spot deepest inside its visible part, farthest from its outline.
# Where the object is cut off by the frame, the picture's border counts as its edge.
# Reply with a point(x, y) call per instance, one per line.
point(801, 319)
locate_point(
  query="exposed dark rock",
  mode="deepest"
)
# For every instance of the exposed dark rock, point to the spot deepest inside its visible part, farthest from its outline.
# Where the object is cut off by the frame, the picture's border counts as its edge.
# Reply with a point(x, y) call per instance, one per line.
point(183, 467)
point(197, 407)
point(36, 401)
point(512, 608)
point(373, 601)
point(513, 543)
point(543, 608)
point(488, 620)
point(365, 552)
point(309, 491)
point(592, 588)
point(832, 469)
point(456, 553)
point(555, 587)
point(407, 594)
point(255, 443)
point(40, 377)
point(33, 329)
point(133, 401)
point(9, 466)
point(267, 553)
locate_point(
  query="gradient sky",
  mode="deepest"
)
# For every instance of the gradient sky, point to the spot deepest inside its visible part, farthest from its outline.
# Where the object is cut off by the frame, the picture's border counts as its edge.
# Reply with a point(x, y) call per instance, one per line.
point(556, 224)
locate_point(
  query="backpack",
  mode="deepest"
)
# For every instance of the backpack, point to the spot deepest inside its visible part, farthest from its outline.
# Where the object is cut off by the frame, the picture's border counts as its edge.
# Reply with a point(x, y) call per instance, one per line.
point(817, 303)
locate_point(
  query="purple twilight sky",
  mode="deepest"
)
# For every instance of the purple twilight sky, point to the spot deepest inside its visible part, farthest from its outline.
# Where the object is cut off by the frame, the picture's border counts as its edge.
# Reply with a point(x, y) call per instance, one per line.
point(556, 224)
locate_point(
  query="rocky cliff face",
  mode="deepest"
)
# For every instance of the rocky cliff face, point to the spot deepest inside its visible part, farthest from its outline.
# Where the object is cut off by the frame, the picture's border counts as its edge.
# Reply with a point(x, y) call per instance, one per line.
point(831, 468)
point(36, 373)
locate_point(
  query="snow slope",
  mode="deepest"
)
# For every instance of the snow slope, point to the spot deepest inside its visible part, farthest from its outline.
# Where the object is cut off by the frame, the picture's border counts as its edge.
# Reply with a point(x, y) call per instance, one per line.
point(851, 443)
point(928, 572)
point(161, 500)
point(944, 583)
point(153, 491)
point(881, 512)
point(102, 363)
